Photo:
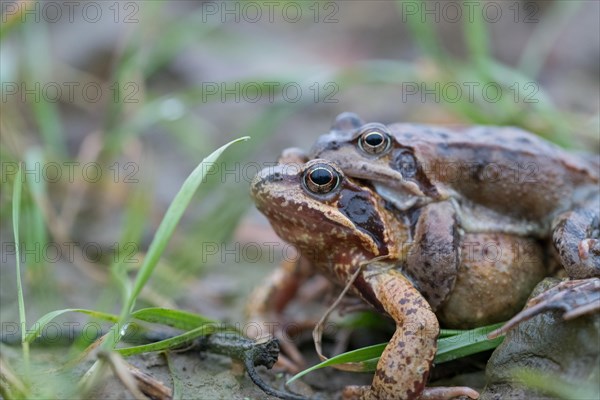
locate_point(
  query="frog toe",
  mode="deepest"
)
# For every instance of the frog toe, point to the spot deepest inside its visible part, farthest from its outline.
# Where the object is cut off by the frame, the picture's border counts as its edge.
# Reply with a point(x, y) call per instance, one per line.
point(589, 254)
point(446, 393)
point(355, 392)
point(429, 393)
point(575, 237)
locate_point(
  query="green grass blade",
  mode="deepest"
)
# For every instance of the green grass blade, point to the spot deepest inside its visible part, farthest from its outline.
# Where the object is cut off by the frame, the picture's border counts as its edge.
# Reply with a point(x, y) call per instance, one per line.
point(171, 219)
point(455, 344)
point(175, 318)
point(16, 201)
point(178, 383)
point(10, 22)
point(422, 31)
point(38, 73)
point(368, 355)
point(543, 39)
point(41, 323)
point(42, 283)
point(171, 342)
point(162, 237)
point(449, 332)
point(466, 343)
point(477, 39)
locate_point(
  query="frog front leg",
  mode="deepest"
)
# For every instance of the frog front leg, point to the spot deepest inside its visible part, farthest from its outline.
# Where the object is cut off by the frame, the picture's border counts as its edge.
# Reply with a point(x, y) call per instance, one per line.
point(434, 252)
point(403, 368)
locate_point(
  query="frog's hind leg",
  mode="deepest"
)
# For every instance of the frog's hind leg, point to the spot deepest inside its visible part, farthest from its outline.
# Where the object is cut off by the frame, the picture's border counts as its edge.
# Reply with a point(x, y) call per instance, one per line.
point(403, 368)
point(576, 237)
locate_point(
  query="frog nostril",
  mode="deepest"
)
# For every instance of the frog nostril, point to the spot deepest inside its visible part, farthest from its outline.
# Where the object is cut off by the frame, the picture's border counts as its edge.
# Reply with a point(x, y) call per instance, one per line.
point(333, 145)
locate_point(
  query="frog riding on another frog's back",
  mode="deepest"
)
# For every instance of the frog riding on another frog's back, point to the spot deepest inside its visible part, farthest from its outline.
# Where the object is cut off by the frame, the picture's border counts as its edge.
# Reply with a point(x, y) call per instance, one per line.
point(415, 224)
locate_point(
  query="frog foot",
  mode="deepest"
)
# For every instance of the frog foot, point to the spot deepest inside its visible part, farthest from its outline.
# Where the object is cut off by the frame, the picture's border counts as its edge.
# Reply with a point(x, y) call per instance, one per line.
point(430, 393)
point(574, 298)
point(575, 236)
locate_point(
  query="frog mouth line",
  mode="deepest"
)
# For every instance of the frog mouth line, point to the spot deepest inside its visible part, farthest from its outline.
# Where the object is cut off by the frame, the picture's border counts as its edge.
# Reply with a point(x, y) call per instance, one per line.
point(401, 199)
point(382, 176)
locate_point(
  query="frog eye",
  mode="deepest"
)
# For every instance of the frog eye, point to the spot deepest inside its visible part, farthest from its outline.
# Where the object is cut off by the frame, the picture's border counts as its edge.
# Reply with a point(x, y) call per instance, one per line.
point(375, 139)
point(321, 178)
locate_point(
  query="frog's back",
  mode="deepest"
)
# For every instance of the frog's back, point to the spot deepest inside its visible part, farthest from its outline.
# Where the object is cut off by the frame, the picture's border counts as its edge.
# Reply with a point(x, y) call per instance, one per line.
point(507, 168)
point(510, 140)
point(495, 143)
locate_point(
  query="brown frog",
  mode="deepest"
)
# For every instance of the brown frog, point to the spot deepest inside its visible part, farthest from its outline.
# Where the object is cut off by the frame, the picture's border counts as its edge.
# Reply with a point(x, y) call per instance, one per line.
point(494, 179)
point(408, 268)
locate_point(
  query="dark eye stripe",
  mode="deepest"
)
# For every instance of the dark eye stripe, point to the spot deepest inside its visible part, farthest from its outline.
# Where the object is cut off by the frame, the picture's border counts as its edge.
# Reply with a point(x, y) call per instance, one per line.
point(361, 211)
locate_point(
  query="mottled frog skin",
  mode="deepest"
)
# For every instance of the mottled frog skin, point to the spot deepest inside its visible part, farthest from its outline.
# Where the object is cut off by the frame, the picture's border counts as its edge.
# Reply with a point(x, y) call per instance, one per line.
point(340, 225)
point(496, 179)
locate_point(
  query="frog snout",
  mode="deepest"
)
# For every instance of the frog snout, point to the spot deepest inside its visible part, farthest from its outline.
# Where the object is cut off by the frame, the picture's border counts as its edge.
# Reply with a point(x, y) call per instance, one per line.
point(323, 144)
point(265, 181)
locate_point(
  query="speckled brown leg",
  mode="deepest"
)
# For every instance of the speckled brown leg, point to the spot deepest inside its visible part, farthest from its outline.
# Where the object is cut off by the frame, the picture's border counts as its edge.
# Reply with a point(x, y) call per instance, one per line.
point(403, 368)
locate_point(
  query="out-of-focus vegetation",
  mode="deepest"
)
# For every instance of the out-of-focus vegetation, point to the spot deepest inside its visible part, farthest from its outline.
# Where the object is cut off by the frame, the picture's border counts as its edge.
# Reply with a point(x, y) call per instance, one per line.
point(108, 107)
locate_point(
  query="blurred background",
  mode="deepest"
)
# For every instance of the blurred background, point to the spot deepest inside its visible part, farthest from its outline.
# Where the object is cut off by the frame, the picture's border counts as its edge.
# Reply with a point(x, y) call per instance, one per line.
point(112, 104)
